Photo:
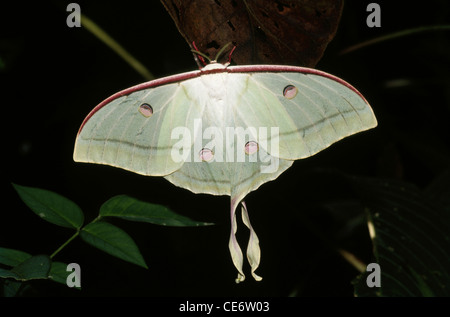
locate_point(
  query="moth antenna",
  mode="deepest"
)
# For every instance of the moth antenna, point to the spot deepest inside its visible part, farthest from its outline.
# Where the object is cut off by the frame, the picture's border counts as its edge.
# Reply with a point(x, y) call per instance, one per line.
point(200, 55)
point(231, 52)
point(222, 50)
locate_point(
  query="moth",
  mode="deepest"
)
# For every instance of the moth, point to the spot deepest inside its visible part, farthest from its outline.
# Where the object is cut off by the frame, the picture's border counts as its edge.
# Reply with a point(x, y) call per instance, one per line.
point(223, 130)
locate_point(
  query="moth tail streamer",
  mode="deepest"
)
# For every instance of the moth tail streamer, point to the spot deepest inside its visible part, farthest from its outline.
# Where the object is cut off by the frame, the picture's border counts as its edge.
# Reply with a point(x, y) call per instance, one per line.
point(253, 249)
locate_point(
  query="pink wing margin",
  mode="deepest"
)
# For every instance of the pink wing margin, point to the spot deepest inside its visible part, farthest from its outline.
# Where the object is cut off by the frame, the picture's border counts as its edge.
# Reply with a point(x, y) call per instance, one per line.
point(231, 69)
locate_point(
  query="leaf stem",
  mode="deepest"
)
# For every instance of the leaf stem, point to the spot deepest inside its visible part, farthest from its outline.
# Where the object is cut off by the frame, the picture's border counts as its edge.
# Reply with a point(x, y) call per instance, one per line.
point(116, 47)
point(353, 260)
point(65, 243)
point(72, 237)
point(394, 36)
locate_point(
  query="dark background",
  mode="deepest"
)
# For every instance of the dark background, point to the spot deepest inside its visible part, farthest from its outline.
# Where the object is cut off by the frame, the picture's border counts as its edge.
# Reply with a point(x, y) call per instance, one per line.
point(54, 75)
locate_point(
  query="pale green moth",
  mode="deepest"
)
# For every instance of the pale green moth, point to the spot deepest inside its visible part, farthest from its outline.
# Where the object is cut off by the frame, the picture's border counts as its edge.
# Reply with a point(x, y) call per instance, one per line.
point(223, 130)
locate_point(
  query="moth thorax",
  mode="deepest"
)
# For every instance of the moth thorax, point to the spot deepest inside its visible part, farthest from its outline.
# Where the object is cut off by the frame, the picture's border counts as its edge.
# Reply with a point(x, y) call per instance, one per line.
point(215, 88)
point(214, 66)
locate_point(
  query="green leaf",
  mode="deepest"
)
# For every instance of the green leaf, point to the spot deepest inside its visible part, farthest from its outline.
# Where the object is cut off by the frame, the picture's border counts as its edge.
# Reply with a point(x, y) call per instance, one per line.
point(12, 287)
point(112, 240)
point(58, 272)
point(36, 267)
point(51, 206)
point(12, 257)
point(411, 238)
point(130, 208)
point(8, 274)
